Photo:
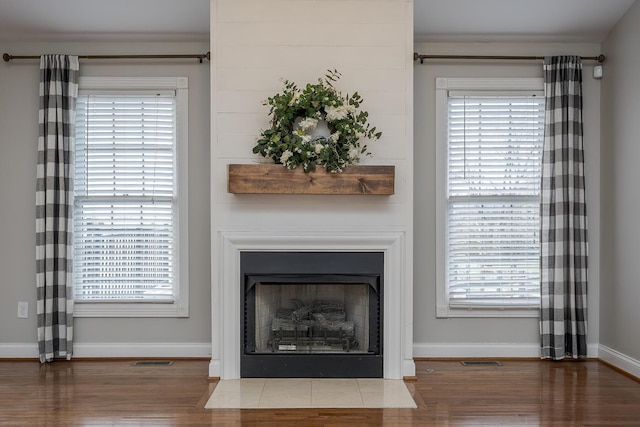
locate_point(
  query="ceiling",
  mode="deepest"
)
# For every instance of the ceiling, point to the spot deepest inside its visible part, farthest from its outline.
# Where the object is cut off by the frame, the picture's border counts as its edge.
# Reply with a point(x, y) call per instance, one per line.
point(558, 21)
point(104, 20)
point(587, 21)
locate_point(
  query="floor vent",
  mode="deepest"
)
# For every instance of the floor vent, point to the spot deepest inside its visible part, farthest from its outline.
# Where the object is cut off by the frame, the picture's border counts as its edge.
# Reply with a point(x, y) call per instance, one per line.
point(152, 363)
point(480, 363)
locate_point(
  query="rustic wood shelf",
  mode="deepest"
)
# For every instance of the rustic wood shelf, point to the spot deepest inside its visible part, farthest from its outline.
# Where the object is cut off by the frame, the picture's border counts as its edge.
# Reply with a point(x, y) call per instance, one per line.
point(276, 179)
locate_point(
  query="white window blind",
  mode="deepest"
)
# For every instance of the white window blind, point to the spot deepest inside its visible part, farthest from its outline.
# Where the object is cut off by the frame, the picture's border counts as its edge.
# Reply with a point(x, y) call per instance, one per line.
point(493, 191)
point(125, 198)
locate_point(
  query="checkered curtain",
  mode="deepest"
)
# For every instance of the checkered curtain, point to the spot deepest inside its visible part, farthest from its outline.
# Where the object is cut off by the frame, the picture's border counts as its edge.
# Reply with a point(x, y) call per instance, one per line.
point(54, 205)
point(563, 217)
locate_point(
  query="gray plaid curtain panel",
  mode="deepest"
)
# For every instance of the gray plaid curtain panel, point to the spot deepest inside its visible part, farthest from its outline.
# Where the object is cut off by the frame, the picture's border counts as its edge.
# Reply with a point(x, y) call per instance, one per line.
point(54, 205)
point(563, 216)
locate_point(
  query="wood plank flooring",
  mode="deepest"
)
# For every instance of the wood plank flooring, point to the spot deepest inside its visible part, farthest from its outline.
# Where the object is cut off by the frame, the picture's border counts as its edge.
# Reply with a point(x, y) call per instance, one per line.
point(518, 393)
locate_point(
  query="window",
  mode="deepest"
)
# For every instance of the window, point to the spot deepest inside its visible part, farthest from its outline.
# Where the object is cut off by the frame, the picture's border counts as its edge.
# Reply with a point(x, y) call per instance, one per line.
point(130, 198)
point(490, 136)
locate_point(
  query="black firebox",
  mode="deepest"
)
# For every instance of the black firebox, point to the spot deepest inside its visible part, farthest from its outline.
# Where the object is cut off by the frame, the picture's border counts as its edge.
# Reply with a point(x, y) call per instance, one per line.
point(312, 314)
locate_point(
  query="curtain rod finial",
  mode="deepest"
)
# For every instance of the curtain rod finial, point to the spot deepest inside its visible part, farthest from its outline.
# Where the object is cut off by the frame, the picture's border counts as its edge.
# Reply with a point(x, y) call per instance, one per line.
point(204, 56)
point(6, 57)
point(601, 58)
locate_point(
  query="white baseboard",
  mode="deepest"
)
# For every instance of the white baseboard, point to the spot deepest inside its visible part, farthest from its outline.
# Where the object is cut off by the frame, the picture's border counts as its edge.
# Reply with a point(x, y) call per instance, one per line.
point(214, 369)
point(448, 350)
point(443, 350)
point(18, 351)
point(619, 360)
point(409, 368)
point(30, 351)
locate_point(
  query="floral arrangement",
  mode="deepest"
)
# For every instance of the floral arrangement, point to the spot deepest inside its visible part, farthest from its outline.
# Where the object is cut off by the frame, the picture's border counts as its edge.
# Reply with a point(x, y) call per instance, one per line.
point(315, 125)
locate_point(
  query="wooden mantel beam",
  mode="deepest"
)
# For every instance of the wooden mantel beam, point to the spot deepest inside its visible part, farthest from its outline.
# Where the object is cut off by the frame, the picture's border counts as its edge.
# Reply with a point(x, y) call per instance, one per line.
point(276, 179)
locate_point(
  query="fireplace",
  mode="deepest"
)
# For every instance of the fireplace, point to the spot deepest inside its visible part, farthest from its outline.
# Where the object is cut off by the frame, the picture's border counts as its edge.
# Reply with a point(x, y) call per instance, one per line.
point(312, 314)
point(228, 290)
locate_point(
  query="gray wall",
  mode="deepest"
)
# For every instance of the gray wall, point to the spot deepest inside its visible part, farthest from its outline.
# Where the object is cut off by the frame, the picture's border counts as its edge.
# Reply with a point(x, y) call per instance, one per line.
point(18, 142)
point(620, 296)
point(613, 308)
point(472, 336)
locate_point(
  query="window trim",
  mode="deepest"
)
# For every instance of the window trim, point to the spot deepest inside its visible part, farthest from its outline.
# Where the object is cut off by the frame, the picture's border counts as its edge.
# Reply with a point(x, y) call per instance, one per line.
point(180, 305)
point(443, 86)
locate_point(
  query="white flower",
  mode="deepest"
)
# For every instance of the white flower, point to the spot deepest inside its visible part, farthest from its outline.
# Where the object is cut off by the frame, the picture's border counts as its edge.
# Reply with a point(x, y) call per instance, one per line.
point(319, 148)
point(339, 113)
point(285, 156)
point(336, 113)
point(359, 135)
point(308, 123)
point(353, 153)
point(335, 136)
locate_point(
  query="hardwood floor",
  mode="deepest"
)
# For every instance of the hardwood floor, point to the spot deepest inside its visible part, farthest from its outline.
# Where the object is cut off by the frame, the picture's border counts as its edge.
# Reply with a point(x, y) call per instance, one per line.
point(518, 393)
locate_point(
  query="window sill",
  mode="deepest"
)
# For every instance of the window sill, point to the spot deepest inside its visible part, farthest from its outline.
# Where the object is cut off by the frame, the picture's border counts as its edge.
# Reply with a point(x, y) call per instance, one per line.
point(137, 309)
point(444, 312)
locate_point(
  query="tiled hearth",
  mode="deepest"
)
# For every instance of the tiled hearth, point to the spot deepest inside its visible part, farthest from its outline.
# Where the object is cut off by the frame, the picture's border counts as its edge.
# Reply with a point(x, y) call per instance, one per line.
point(260, 393)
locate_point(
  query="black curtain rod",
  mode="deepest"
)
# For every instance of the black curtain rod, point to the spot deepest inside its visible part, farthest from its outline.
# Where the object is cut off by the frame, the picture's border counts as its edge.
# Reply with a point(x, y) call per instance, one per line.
point(417, 56)
point(199, 56)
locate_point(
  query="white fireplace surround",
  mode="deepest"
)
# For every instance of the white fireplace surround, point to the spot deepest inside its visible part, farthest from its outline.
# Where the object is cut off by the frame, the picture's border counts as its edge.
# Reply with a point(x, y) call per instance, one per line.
point(226, 292)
